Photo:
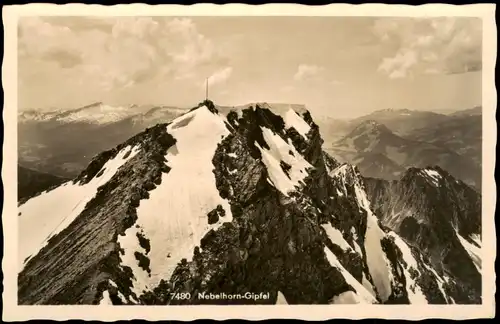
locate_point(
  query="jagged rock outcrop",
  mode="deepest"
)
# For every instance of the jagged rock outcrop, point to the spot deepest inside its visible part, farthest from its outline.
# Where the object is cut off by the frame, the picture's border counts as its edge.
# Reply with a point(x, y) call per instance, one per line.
point(245, 202)
point(441, 216)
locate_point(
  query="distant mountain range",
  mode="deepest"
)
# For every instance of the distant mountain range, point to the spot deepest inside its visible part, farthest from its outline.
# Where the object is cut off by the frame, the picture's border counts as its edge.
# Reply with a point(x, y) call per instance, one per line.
point(476, 111)
point(380, 153)
point(62, 143)
point(385, 143)
point(462, 134)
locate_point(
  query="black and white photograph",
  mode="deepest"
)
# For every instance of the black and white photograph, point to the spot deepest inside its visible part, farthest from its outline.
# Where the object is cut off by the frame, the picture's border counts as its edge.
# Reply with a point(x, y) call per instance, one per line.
point(250, 160)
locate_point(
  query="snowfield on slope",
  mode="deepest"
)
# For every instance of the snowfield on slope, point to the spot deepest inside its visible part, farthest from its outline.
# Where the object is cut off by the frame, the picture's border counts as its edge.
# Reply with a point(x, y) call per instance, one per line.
point(106, 300)
point(51, 212)
point(362, 294)
point(292, 119)
point(336, 237)
point(378, 265)
point(473, 251)
point(415, 294)
point(279, 150)
point(174, 218)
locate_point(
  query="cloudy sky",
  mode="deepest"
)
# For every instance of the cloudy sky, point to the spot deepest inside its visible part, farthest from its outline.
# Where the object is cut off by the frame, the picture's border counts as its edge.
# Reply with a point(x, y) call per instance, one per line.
point(337, 66)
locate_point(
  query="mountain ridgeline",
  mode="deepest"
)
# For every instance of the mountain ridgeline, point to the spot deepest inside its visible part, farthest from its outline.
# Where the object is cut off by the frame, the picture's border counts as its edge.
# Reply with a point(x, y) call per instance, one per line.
point(380, 153)
point(246, 201)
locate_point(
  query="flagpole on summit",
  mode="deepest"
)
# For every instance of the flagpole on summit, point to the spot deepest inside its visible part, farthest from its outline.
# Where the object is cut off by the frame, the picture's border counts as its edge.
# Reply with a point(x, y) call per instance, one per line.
point(206, 89)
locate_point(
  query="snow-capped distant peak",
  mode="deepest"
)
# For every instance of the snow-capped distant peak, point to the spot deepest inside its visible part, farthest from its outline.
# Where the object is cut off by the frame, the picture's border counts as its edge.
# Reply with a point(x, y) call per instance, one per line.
point(34, 115)
point(99, 113)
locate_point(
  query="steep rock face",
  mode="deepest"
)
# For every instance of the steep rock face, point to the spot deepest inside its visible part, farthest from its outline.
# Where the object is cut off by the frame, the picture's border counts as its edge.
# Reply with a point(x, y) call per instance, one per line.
point(246, 202)
point(76, 250)
point(441, 216)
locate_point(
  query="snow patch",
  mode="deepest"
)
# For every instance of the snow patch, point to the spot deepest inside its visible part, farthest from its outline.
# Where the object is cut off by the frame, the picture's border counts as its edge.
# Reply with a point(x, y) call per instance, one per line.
point(336, 237)
point(46, 215)
point(340, 174)
point(364, 295)
point(376, 259)
point(281, 300)
point(433, 175)
point(105, 301)
point(174, 218)
point(120, 295)
point(292, 119)
point(368, 285)
point(278, 151)
point(233, 155)
point(357, 248)
point(473, 251)
point(476, 238)
point(347, 297)
point(440, 282)
point(112, 283)
point(415, 294)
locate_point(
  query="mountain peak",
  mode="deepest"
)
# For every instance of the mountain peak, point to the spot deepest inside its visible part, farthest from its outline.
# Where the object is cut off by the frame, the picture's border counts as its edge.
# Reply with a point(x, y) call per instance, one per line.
point(369, 136)
point(369, 126)
point(433, 175)
point(208, 104)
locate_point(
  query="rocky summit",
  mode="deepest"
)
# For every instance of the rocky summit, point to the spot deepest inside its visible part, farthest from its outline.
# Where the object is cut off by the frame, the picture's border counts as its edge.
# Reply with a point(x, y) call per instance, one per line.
point(245, 203)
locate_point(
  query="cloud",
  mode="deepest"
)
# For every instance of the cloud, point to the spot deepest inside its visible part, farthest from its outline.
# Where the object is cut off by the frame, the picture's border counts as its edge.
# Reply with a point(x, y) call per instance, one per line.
point(187, 47)
point(65, 59)
point(116, 52)
point(305, 71)
point(220, 76)
point(441, 45)
point(399, 65)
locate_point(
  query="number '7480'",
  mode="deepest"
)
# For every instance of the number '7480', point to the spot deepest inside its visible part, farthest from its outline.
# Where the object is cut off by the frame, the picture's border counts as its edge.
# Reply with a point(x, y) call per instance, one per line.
point(180, 296)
